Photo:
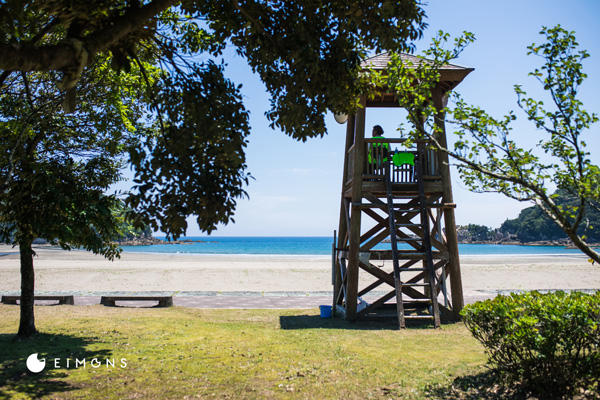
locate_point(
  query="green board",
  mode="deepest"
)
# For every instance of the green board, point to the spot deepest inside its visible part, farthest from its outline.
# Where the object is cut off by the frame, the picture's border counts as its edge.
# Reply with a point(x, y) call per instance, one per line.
point(402, 158)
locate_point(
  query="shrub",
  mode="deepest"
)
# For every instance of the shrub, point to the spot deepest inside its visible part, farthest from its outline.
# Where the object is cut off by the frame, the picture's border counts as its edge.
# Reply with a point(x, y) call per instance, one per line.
point(548, 344)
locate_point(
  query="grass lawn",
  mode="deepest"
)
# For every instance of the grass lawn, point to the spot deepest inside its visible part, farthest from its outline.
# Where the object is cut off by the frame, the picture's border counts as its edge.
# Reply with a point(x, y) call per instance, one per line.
point(184, 353)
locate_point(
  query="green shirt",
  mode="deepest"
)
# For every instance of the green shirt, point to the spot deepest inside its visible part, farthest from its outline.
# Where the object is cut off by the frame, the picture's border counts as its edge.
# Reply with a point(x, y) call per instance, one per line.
point(375, 145)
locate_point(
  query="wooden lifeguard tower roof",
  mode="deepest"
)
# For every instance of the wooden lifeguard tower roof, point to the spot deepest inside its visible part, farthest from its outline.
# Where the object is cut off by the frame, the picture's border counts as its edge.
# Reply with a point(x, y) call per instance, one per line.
point(450, 75)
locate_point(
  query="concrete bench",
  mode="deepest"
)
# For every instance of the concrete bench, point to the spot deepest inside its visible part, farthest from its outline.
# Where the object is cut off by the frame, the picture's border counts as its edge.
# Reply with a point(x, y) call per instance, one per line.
point(163, 301)
point(60, 299)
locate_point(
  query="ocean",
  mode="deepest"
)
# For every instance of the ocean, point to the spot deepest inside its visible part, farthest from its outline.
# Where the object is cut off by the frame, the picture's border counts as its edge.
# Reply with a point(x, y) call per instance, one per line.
point(314, 245)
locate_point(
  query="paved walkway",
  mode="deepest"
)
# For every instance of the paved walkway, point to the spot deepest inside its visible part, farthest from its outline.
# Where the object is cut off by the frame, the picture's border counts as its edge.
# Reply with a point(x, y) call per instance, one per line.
point(249, 300)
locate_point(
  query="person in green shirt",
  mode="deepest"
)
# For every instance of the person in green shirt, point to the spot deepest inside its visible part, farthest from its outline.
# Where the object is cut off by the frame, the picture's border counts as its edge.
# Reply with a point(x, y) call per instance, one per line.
point(375, 156)
point(379, 152)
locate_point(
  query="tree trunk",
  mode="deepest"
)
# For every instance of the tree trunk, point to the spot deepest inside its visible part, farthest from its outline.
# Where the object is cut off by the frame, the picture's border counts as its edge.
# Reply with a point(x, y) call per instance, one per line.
point(583, 246)
point(27, 322)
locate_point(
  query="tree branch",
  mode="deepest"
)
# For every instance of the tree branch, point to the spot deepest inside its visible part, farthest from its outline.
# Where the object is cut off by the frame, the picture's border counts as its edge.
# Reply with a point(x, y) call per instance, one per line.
point(30, 57)
point(543, 200)
point(149, 87)
point(3, 76)
point(123, 25)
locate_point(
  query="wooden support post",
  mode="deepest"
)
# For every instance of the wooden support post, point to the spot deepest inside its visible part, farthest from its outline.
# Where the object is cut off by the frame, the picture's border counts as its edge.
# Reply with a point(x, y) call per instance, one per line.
point(439, 101)
point(333, 257)
point(358, 159)
point(343, 226)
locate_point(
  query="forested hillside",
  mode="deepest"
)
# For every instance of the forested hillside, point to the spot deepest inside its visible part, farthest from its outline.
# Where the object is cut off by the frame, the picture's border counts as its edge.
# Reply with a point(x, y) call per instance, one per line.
point(533, 224)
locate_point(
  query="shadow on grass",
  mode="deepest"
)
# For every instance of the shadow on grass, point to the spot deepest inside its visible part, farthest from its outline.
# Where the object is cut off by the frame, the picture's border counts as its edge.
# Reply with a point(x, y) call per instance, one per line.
point(316, 322)
point(16, 380)
point(484, 385)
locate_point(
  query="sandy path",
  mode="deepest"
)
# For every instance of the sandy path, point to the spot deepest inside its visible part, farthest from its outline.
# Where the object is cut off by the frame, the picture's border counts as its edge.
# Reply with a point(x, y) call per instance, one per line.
point(58, 270)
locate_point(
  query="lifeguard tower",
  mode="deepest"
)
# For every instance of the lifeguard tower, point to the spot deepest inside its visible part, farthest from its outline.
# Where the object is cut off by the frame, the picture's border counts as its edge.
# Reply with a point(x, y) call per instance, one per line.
point(420, 240)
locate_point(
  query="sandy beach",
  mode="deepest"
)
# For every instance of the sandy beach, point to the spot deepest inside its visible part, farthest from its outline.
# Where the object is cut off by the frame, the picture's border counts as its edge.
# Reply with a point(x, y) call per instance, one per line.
point(79, 271)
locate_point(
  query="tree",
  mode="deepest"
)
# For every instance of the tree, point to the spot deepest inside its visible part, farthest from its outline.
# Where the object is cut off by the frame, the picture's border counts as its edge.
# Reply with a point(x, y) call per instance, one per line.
point(59, 166)
point(478, 232)
point(307, 53)
point(171, 114)
point(487, 153)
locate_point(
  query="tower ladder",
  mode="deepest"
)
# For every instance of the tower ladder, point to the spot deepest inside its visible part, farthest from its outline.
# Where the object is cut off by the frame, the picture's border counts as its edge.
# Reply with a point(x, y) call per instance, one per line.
point(429, 286)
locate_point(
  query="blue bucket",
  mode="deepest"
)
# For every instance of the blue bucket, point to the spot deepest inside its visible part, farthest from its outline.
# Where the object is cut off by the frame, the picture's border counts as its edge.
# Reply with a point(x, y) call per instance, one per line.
point(325, 311)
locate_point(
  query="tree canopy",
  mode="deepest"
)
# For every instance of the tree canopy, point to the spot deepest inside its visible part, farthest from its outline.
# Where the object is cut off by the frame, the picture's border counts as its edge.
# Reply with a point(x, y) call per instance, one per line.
point(474, 232)
point(306, 52)
point(188, 158)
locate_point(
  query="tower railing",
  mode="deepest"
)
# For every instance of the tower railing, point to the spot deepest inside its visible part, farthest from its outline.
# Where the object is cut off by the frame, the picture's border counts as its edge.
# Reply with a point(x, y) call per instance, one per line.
point(380, 151)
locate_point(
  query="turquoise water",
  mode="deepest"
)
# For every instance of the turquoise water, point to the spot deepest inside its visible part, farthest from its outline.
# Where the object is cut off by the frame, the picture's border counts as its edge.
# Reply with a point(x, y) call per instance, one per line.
point(314, 245)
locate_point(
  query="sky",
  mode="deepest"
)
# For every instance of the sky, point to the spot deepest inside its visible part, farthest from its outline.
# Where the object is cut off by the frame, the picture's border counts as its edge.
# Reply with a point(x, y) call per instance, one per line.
point(296, 186)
